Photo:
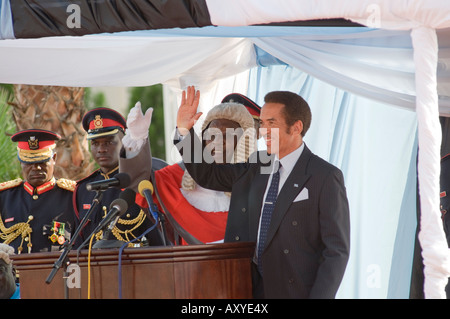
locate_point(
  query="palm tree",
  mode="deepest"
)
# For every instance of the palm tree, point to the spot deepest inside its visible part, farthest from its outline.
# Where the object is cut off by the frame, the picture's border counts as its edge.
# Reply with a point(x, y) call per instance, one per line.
point(9, 165)
point(58, 109)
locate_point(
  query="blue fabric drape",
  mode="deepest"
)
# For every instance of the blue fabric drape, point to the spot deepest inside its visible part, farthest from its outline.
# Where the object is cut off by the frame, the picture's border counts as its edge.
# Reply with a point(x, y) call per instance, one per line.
point(6, 21)
point(378, 158)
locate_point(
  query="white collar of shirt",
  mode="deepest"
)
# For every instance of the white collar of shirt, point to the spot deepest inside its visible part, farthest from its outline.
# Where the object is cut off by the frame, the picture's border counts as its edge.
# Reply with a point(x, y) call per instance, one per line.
point(287, 164)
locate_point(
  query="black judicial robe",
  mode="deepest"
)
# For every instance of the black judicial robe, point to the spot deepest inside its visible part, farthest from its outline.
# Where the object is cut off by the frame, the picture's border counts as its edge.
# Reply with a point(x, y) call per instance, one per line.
point(130, 225)
point(37, 213)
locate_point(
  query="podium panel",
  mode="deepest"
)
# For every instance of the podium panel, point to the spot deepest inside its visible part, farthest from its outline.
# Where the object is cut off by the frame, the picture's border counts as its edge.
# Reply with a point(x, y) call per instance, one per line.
point(175, 272)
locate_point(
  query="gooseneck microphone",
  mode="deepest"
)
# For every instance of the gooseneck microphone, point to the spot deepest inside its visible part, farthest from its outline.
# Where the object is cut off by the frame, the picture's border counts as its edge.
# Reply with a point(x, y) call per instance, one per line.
point(145, 188)
point(117, 208)
point(121, 180)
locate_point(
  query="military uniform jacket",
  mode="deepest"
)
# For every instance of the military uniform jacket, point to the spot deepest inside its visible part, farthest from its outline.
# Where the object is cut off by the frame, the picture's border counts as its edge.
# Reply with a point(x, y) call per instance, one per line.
point(28, 214)
point(131, 224)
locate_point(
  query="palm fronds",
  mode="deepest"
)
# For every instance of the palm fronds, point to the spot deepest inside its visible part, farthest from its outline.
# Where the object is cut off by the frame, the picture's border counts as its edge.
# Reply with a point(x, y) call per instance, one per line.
point(9, 164)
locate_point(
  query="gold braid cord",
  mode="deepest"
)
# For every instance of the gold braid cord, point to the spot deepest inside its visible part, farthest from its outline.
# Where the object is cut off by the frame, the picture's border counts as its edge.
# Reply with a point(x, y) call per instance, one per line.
point(128, 232)
point(11, 233)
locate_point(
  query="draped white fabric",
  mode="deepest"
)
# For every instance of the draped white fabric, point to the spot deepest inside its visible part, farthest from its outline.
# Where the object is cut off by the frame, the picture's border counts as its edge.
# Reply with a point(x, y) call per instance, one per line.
point(104, 60)
point(386, 14)
point(377, 64)
point(434, 245)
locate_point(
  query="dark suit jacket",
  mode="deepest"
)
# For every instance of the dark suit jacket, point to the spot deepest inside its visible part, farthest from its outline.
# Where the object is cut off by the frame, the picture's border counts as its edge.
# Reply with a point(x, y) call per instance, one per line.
point(308, 242)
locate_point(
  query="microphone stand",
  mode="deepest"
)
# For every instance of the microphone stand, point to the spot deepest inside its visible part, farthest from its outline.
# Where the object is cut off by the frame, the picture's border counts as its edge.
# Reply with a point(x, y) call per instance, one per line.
point(68, 245)
point(154, 211)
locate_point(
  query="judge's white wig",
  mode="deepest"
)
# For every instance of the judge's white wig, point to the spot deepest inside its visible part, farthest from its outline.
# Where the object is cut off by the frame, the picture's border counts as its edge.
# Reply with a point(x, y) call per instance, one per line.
point(246, 144)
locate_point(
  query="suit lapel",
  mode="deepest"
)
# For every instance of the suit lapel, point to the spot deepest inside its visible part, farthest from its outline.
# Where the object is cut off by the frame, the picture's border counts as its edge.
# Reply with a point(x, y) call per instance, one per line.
point(291, 188)
point(257, 193)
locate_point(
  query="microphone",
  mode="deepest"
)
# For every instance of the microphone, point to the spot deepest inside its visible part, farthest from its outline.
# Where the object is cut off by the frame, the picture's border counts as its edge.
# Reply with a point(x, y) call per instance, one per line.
point(121, 180)
point(146, 189)
point(117, 208)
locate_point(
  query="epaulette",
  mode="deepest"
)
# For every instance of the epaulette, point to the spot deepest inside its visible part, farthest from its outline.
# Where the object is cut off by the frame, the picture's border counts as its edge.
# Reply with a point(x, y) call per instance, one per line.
point(66, 184)
point(10, 184)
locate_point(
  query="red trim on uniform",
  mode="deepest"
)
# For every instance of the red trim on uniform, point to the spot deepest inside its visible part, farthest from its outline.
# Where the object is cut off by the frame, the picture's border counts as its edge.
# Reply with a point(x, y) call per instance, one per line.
point(42, 145)
point(106, 123)
point(41, 188)
point(252, 111)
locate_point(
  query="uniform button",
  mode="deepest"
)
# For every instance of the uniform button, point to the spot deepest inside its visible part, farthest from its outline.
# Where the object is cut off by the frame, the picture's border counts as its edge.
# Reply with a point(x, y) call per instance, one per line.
point(236, 238)
point(286, 251)
point(291, 280)
point(244, 210)
point(35, 197)
point(294, 223)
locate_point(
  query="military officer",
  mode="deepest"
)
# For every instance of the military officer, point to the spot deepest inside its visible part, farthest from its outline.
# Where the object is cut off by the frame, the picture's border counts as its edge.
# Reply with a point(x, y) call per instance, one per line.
point(105, 129)
point(36, 212)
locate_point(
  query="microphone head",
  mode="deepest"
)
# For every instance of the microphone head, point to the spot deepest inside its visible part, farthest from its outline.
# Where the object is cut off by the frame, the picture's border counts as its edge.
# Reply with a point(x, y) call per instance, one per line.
point(143, 185)
point(120, 204)
point(124, 180)
point(128, 195)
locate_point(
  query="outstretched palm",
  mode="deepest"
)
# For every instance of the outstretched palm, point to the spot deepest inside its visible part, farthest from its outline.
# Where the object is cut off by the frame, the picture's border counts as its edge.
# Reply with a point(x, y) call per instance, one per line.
point(187, 112)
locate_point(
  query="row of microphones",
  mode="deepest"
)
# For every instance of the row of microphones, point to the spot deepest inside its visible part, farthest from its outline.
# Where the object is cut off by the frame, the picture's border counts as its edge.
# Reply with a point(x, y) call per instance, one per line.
point(120, 205)
point(122, 180)
point(117, 208)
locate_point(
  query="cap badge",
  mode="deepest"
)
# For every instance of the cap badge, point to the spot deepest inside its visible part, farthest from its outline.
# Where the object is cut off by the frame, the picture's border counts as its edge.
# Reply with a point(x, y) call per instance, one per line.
point(98, 122)
point(33, 143)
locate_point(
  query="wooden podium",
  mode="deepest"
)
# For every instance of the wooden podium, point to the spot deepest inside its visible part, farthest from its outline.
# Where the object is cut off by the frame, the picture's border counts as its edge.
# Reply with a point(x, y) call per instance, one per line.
point(176, 272)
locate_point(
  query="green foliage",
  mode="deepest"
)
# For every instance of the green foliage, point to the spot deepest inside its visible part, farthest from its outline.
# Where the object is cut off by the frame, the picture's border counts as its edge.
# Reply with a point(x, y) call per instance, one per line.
point(152, 96)
point(9, 164)
point(93, 100)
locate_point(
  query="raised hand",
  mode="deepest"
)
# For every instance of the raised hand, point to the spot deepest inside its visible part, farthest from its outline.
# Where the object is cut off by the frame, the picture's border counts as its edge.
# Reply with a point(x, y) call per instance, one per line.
point(138, 123)
point(187, 112)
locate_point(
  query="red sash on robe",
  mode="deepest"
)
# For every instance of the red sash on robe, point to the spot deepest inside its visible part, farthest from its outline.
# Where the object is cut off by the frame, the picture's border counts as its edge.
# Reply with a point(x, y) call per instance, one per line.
point(205, 226)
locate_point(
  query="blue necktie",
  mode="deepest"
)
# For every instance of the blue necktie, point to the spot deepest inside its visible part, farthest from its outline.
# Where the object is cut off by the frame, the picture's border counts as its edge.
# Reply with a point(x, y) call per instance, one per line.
point(269, 205)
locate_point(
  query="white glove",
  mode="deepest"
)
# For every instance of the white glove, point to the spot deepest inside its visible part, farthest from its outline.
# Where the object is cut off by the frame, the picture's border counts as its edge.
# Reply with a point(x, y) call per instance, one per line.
point(137, 130)
point(138, 123)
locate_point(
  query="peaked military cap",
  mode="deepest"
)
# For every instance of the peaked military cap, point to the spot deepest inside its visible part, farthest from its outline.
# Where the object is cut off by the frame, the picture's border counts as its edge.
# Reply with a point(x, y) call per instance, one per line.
point(103, 121)
point(35, 145)
point(253, 108)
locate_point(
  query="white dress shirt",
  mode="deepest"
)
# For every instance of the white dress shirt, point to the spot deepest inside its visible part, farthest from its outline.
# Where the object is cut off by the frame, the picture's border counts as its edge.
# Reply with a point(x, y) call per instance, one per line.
point(287, 164)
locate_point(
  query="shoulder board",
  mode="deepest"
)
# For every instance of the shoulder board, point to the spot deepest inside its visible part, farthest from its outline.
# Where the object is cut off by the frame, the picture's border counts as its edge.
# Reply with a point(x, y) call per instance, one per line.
point(10, 184)
point(66, 184)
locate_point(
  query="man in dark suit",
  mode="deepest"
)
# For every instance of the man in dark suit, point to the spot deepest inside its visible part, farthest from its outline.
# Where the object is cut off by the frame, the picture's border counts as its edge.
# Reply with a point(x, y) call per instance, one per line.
point(296, 212)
